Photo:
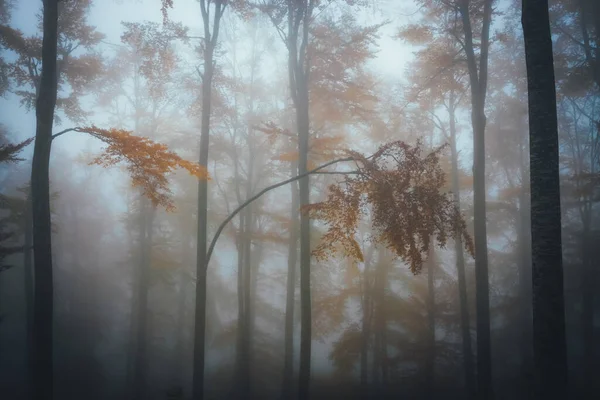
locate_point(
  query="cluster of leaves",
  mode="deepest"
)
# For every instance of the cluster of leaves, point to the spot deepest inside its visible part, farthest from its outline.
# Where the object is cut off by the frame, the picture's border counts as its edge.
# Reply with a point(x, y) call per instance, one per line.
point(9, 151)
point(404, 191)
point(79, 64)
point(12, 205)
point(154, 50)
point(148, 162)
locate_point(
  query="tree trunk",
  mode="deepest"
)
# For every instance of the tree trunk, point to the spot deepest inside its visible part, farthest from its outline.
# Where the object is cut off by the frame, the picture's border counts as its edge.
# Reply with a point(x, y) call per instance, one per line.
point(201, 267)
point(431, 322)
point(478, 83)
point(587, 312)
point(141, 360)
point(28, 285)
point(210, 41)
point(460, 263)
point(40, 192)
point(288, 368)
point(305, 297)
point(549, 337)
point(246, 340)
point(524, 238)
point(241, 307)
point(367, 310)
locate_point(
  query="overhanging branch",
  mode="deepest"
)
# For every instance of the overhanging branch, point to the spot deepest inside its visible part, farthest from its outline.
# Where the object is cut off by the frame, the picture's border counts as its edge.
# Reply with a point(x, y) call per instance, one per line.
point(260, 194)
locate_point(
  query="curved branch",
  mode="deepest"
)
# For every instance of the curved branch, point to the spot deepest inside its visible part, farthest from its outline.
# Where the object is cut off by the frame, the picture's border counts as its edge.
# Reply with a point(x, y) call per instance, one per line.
point(77, 129)
point(258, 195)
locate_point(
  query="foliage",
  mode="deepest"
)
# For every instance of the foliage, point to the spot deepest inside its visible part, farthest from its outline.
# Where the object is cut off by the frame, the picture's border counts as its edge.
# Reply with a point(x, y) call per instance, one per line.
point(402, 188)
point(148, 162)
point(77, 69)
point(8, 151)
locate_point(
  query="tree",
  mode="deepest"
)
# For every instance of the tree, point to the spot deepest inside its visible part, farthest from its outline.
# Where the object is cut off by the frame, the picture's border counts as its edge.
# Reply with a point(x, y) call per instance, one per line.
point(150, 162)
point(211, 35)
point(549, 335)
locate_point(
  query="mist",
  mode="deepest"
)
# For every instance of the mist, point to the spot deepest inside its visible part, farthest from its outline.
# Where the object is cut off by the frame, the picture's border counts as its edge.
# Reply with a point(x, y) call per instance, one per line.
point(309, 199)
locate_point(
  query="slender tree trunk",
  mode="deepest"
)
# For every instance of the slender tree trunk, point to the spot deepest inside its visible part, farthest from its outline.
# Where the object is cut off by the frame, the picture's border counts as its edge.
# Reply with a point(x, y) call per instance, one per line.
point(290, 300)
point(478, 83)
point(549, 337)
point(28, 285)
point(305, 296)
point(201, 267)
point(431, 322)
point(210, 41)
point(524, 238)
point(40, 192)
point(241, 306)
point(141, 359)
point(247, 247)
point(366, 327)
point(587, 313)
point(460, 263)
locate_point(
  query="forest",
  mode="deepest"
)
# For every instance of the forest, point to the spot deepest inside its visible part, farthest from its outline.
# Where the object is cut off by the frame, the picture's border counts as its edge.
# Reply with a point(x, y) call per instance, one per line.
point(299, 199)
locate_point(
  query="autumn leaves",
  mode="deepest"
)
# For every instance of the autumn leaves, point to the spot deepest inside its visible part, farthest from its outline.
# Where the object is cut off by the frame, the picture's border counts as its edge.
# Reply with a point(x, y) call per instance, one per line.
point(402, 189)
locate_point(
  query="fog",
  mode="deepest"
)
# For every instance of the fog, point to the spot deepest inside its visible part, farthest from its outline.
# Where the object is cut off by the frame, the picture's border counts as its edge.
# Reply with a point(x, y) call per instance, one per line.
point(388, 319)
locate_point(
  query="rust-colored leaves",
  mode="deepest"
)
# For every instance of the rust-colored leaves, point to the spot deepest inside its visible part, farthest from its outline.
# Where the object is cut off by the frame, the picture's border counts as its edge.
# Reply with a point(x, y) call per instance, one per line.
point(148, 162)
point(401, 190)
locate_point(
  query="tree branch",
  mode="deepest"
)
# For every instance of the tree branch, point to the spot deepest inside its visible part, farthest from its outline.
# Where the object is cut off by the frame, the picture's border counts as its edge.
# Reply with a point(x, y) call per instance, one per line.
point(76, 129)
point(257, 196)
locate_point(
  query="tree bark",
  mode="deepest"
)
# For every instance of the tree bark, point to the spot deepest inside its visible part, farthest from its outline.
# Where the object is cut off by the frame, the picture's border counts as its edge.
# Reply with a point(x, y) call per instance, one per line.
point(290, 300)
point(40, 192)
point(587, 312)
point(305, 296)
point(299, 14)
point(478, 83)
point(549, 337)
point(210, 41)
point(524, 237)
point(460, 262)
point(28, 285)
point(431, 322)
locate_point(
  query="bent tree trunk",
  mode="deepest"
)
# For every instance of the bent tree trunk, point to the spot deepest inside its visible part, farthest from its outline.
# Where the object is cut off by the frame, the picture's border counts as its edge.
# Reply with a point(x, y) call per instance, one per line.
point(40, 193)
point(549, 338)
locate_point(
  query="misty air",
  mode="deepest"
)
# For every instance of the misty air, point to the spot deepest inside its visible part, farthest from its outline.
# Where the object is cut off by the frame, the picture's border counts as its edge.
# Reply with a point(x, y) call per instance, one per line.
point(299, 199)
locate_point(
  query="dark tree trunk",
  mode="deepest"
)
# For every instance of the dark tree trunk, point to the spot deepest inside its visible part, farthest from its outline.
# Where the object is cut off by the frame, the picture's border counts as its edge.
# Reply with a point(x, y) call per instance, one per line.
point(524, 237)
point(299, 14)
point(201, 267)
point(210, 41)
point(587, 312)
point(40, 192)
point(288, 369)
point(465, 328)
point(367, 309)
point(478, 83)
point(28, 285)
point(549, 337)
point(305, 296)
point(241, 307)
point(246, 340)
point(431, 266)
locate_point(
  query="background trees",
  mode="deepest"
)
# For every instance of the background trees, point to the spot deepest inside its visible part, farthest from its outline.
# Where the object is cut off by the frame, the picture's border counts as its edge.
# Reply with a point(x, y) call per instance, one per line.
point(374, 328)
